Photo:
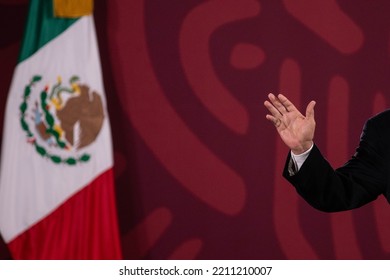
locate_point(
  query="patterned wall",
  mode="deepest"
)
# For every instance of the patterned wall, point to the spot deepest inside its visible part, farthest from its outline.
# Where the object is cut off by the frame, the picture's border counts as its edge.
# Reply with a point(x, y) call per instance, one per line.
point(198, 168)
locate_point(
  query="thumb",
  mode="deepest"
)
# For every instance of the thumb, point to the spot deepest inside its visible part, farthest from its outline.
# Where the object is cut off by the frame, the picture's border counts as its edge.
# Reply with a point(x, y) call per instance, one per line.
point(310, 110)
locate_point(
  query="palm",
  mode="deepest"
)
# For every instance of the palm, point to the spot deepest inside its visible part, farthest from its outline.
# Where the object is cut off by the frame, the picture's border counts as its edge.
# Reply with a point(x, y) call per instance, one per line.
point(295, 129)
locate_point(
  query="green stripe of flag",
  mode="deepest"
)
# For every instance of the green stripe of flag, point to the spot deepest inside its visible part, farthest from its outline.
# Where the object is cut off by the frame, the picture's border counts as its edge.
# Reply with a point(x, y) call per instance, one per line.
point(41, 27)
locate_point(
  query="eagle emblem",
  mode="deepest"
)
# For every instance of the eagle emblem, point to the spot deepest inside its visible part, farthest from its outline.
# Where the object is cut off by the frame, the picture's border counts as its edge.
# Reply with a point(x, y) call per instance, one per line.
point(61, 120)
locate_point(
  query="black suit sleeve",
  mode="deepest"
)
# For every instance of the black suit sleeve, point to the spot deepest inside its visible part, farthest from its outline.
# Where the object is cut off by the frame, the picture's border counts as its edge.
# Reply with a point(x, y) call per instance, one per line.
point(361, 180)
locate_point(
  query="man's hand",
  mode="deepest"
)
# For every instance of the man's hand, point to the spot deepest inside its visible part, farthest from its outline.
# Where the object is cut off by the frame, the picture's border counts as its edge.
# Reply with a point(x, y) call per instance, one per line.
point(295, 129)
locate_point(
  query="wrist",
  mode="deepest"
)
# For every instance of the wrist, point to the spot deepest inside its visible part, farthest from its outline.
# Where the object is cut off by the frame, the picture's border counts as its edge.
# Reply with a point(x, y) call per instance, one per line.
point(303, 148)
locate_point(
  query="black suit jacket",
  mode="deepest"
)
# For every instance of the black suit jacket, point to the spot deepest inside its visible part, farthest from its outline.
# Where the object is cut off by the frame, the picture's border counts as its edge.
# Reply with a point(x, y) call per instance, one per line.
point(361, 180)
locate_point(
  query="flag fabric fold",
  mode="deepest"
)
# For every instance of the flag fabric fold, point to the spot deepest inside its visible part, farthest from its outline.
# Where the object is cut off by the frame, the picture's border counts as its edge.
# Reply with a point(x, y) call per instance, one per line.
point(57, 197)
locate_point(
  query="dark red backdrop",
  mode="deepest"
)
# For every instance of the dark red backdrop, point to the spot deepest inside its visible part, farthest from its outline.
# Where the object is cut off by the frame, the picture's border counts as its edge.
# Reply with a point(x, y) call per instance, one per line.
point(198, 168)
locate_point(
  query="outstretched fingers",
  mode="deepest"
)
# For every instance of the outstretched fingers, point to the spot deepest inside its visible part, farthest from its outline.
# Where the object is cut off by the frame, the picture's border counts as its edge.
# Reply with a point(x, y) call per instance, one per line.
point(276, 102)
point(272, 109)
point(287, 104)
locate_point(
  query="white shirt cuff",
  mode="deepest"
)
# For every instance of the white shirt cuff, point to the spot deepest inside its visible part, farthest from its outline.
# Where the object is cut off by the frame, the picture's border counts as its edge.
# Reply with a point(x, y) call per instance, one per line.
point(300, 159)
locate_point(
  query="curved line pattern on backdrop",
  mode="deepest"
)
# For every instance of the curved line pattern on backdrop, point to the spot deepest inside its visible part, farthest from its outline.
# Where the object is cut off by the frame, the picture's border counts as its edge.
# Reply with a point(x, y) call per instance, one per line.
point(329, 22)
point(195, 34)
point(179, 149)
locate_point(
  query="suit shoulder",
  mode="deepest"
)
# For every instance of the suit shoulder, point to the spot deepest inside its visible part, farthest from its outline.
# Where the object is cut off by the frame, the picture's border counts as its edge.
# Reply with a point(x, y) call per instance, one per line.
point(383, 116)
point(377, 126)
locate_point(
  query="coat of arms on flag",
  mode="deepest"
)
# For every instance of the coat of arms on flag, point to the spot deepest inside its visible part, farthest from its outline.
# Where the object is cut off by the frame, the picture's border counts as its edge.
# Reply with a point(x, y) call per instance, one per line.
point(61, 118)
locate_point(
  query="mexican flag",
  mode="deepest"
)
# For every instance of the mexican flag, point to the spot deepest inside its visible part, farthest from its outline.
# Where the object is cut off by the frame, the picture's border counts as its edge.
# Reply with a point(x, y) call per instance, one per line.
point(57, 196)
